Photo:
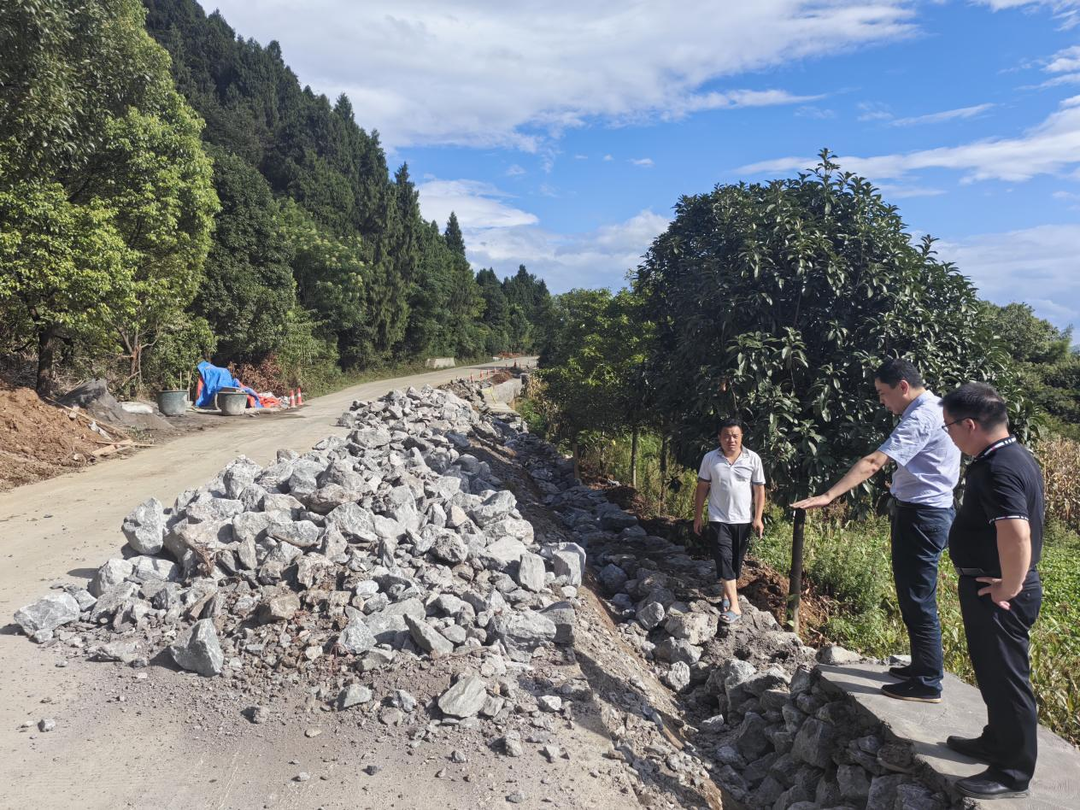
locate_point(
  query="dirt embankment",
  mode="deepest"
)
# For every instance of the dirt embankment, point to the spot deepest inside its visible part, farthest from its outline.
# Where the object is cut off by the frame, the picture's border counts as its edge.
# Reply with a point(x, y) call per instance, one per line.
point(39, 440)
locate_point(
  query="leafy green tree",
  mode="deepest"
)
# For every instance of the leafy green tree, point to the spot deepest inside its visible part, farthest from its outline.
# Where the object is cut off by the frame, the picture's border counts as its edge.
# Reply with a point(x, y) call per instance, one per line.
point(87, 106)
point(454, 239)
point(600, 386)
point(776, 302)
point(464, 303)
point(531, 294)
point(519, 331)
point(67, 272)
point(573, 320)
point(330, 278)
point(496, 316)
point(248, 288)
point(1047, 365)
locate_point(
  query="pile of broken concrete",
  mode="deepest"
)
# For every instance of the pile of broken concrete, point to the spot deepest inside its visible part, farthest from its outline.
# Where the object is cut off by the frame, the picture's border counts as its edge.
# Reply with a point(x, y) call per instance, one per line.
point(390, 544)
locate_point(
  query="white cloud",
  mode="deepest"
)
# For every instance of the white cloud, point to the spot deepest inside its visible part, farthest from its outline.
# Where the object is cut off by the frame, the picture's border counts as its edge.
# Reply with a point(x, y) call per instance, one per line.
point(608, 158)
point(581, 157)
point(733, 98)
point(500, 236)
point(1065, 65)
point(645, 163)
point(874, 111)
point(1049, 148)
point(1064, 10)
point(1066, 60)
point(515, 171)
point(900, 191)
point(811, 111)
point(1039, 261)
point(597, 258)
point(511, 74)
point(941, 117)
point(477, 205)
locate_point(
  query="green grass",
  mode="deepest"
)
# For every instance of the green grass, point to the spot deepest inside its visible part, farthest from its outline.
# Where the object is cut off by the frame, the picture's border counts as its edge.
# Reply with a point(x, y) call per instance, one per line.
point(851, 564)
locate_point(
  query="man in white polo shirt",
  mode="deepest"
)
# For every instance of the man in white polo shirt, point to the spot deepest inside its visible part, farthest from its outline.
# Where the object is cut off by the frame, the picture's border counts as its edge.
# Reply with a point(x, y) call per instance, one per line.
point(734, 479)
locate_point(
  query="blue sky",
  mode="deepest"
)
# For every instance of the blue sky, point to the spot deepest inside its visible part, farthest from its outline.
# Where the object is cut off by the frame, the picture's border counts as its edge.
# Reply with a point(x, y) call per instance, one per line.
point(563, 133)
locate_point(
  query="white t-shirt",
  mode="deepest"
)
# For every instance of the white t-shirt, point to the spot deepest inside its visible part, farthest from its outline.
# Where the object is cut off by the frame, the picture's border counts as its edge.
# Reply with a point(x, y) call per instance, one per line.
point(731, 498)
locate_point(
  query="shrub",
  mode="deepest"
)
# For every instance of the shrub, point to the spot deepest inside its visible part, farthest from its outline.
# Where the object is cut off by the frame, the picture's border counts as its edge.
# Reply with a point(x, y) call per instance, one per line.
point(1060, 461)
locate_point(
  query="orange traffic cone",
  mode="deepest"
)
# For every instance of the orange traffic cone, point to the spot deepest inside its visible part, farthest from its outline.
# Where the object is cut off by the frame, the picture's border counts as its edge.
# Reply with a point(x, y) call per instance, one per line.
point(292, 398)
point(299, 396)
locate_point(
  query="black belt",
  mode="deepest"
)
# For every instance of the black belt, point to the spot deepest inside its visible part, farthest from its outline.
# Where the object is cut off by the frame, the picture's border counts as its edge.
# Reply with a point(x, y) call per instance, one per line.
point(976, 572)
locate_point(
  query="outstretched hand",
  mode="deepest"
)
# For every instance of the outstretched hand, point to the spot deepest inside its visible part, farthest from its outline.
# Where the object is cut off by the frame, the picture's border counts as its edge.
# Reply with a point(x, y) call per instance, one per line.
point(815, 502)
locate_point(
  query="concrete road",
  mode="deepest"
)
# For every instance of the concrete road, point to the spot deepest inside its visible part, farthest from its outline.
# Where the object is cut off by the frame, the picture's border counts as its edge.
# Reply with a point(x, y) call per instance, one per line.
point(158, 738)
point(70, 525)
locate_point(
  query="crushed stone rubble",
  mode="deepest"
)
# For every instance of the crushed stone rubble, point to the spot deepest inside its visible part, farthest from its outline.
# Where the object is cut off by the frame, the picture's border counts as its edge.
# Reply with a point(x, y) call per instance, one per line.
point(395, 557)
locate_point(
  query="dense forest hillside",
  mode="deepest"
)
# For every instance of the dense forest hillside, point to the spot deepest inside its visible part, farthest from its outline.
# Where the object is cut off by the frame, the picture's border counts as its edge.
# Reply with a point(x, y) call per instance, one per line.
point(271, 231)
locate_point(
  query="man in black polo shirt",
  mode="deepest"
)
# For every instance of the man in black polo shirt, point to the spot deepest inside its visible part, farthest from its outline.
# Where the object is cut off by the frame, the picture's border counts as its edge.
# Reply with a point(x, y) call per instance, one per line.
point(995, 544)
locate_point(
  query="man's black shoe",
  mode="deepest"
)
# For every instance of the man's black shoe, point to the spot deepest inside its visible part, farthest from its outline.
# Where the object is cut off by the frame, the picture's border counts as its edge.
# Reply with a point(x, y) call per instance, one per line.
point(909, 690)
point(985, 785)
point(973, 747)
point(901, 671)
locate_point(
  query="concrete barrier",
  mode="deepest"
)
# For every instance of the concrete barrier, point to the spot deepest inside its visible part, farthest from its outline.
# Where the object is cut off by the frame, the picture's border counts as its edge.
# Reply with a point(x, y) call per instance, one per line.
point(439, 362)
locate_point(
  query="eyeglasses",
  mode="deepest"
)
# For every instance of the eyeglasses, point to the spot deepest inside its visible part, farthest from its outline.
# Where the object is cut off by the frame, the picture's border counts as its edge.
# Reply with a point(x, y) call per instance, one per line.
point(948, 425)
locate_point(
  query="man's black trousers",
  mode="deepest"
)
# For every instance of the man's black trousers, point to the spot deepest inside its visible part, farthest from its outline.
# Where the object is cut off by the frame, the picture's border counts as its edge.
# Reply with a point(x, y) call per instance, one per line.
point(998, 643)
point(728, 542)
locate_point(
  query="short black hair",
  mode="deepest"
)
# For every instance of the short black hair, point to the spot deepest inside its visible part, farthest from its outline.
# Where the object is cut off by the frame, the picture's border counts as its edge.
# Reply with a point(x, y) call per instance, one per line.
point(895, 369)
point(730, 422)
point(977, 401)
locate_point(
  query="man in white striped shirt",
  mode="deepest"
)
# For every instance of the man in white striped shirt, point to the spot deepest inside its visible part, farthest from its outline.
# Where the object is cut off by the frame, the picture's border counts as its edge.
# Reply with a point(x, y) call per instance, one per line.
point(734, 480)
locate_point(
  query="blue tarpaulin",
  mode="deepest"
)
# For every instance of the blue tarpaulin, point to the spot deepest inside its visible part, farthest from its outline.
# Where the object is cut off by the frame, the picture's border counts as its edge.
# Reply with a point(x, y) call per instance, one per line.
point(214, 379)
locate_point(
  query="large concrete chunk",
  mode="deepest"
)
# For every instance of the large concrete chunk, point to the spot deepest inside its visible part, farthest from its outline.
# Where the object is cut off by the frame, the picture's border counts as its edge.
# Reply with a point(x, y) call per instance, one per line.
point(697, 628)
point(813, 743)
point(569, 561)
point(523, 631)
point(356, 638)
point(144, 528)
point(45, 615)
point(500, 554)
point(145, 568)
point(613, 578)
point(449, 548)
point(465, 698)
point(198, 649)
point(353, 521)
point(563, 615)
point(109, 576)
point(531, 572)
point(427, 637)
point(677, 649)
point(299, 533)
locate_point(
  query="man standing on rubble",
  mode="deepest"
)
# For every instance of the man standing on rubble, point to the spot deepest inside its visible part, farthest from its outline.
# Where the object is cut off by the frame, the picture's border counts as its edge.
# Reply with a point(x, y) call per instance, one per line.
point(927, 471)
point(734, 480)
point(995, 545)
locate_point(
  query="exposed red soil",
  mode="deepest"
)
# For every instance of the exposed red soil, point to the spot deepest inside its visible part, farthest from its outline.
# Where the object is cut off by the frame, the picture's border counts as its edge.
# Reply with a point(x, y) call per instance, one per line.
point(39, 440)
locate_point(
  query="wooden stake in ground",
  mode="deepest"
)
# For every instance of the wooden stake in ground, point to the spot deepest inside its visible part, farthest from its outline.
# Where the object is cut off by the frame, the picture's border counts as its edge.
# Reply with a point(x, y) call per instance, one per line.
point(794, 599)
